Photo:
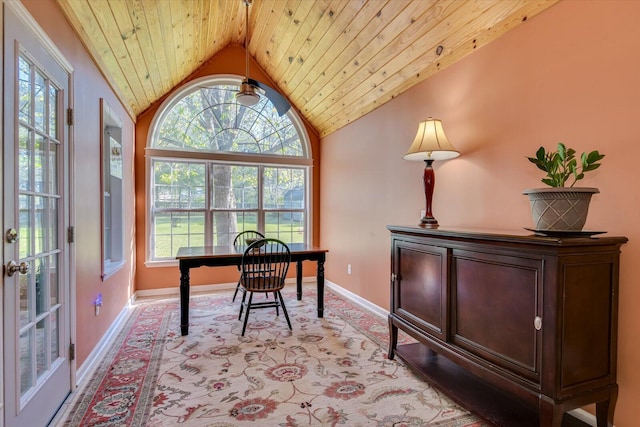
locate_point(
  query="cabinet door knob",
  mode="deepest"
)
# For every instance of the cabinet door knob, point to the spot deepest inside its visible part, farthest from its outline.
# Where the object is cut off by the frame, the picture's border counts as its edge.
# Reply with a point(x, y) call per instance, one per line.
point(537, 323)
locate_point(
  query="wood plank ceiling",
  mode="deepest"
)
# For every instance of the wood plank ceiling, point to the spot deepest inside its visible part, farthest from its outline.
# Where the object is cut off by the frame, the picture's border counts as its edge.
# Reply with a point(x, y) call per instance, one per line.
point(335, 60)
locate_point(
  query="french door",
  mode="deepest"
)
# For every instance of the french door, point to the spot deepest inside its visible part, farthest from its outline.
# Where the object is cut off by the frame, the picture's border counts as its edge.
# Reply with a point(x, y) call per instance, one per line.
point(36, 320)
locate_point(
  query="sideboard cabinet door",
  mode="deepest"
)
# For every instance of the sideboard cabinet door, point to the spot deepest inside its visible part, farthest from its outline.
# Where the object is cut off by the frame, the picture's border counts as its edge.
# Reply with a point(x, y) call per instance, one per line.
point(495, 300)
point(419, 293)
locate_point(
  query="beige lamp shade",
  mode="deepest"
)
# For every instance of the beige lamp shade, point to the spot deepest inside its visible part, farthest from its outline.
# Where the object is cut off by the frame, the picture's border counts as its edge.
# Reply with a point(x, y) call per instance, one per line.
point(431, 143)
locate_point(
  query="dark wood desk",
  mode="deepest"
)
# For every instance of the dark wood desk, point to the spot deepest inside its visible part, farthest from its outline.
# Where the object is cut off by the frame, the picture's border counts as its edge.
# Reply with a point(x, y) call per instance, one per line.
point(217, 256)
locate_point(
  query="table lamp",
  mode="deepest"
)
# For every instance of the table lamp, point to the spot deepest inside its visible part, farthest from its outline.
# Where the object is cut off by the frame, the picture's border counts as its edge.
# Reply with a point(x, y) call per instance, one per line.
point(430, 144)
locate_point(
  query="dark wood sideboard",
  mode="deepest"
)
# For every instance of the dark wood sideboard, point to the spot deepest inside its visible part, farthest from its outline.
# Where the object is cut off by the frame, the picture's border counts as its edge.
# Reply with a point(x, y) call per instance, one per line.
point(517, 327)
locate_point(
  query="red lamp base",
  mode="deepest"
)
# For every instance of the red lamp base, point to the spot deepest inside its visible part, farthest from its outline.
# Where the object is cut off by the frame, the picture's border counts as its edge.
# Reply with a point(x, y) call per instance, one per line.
point(429, 179)
point(429, 222)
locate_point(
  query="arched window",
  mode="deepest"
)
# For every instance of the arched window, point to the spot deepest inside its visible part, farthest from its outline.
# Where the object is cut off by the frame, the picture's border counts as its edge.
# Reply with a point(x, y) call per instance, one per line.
point(216, 168)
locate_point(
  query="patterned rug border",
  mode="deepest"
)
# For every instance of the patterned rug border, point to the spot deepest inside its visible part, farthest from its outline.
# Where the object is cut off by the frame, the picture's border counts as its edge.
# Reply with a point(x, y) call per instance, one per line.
point(81, 403)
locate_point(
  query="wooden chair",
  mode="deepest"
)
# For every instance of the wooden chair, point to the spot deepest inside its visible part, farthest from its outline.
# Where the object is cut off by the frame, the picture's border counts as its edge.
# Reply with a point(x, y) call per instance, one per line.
point(264, 268)
point(240, 240)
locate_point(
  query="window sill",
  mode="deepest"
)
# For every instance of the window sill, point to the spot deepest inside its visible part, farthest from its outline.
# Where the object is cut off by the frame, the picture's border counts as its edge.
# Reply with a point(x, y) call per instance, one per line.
point(164, 263)
point(111, 268)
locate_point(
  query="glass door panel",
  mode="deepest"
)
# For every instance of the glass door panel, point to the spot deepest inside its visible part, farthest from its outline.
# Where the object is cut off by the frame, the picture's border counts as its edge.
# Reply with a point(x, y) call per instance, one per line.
point(38, 223)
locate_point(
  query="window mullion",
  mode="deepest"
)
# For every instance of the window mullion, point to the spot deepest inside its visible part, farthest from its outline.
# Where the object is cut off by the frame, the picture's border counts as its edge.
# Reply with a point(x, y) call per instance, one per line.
point(208, 224)
point(261, 219)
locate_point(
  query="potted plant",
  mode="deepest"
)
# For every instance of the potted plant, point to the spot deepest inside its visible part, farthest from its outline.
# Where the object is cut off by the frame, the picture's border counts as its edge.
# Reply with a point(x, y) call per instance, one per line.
point(562, 208)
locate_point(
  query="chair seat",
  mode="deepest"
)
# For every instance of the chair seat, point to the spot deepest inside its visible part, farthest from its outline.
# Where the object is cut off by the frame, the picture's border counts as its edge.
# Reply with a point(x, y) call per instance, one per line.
point(266, 284)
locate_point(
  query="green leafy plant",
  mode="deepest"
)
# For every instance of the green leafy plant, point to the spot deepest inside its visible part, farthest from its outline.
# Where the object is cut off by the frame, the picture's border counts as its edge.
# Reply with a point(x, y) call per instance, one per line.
point(562, 164)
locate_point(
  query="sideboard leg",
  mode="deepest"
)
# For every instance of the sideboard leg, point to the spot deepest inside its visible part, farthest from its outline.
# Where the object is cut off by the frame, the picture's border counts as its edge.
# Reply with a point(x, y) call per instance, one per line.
point(393, 339)
point(550, 413)
point(604, 409)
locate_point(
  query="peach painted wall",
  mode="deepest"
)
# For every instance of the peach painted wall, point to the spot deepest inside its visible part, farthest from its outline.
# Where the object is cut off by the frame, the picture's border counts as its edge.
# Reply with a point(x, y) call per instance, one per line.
point(571, 74)
point(88, 87)
point(231, 60)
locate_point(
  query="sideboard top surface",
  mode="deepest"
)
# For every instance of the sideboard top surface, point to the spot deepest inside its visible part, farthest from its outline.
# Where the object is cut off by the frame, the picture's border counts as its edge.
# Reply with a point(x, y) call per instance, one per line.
point(513, 236)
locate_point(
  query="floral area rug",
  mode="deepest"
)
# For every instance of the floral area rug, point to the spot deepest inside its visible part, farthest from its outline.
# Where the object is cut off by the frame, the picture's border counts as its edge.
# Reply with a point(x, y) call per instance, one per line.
point(326, 372)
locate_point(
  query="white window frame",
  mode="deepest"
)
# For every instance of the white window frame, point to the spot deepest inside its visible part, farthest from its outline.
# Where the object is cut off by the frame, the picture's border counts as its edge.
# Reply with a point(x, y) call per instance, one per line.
point(305, 161)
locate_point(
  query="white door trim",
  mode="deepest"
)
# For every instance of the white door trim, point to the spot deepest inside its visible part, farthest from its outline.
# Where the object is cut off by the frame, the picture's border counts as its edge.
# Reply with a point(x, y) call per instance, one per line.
point(3, 228)
point(17, 8)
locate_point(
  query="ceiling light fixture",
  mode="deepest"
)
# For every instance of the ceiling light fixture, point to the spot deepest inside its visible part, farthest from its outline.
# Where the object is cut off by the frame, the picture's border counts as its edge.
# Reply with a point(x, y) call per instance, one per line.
point(247, 94)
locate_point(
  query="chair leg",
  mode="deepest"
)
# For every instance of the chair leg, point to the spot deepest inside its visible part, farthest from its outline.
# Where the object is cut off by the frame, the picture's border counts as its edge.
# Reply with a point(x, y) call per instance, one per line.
point(244, 296)
point(284, 310)
point(236, 292)
point(246, 316)
point(275, 299)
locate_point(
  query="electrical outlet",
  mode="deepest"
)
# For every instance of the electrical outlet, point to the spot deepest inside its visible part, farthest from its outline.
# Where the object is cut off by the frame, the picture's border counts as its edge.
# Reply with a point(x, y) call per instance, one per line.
point(423, 212)
point(348, 268)
point(98, 304)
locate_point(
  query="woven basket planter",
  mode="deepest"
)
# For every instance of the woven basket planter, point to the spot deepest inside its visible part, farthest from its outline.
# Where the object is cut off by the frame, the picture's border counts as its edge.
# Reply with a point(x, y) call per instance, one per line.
point(560, 209)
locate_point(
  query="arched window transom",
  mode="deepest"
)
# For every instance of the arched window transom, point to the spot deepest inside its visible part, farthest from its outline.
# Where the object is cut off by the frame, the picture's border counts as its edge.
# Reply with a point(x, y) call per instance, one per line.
point(208, 119)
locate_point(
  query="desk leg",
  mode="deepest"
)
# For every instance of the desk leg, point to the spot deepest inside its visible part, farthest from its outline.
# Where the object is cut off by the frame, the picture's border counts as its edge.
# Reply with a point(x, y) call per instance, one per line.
point(320, 281)
point(299, 280)
point(184, 300)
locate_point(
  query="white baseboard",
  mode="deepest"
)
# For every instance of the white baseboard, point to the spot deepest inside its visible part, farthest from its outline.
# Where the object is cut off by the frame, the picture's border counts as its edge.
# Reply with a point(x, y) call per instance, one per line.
point(175, 291)
point(357, 299)
point(91, 362)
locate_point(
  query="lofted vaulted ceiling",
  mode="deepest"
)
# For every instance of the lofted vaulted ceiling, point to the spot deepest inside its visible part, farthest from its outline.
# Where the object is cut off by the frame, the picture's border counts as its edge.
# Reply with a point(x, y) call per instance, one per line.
point(335, 60)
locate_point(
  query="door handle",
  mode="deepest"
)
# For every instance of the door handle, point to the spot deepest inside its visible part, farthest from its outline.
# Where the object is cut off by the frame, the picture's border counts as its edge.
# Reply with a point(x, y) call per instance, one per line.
point(11, 235)
point(13, 268)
